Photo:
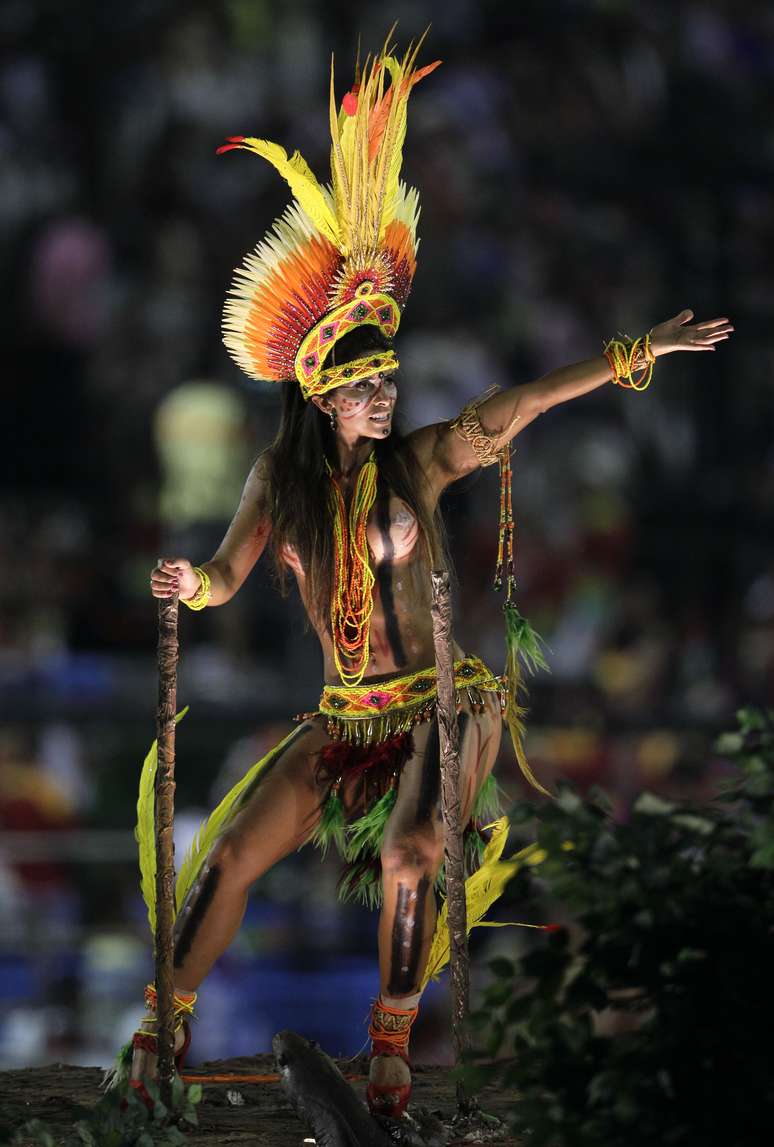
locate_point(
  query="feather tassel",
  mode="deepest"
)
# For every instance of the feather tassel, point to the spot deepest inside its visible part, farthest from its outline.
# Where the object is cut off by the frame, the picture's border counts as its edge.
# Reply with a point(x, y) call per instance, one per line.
point(331, 829)
point(487, 804)
point(365, 835)
point(523, 645)
point(362, 884)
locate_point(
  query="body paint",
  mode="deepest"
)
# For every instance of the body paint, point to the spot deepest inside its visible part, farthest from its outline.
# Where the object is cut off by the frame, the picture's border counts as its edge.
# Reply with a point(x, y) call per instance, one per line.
point(384, 576)
point(407, 936)
point(201, 894)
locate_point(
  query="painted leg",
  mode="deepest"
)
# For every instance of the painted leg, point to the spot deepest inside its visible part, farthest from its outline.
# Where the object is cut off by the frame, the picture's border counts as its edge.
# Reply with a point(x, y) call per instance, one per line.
point(412, 856)
point(276, 818)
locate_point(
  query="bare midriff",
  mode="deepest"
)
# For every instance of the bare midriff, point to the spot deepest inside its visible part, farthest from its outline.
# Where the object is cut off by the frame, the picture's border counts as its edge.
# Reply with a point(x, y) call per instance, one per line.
point(401, 630)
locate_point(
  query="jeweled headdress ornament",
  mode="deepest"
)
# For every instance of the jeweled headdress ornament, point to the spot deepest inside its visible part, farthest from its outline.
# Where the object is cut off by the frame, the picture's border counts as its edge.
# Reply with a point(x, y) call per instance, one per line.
point(342, 255)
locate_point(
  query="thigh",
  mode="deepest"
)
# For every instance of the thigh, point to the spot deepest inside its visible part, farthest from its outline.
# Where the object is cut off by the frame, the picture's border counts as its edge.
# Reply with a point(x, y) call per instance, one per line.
point(282, 808)
point(418, 806)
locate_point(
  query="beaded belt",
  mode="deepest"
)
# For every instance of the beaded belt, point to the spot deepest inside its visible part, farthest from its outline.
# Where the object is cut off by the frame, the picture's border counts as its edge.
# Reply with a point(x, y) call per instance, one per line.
point(368, 714)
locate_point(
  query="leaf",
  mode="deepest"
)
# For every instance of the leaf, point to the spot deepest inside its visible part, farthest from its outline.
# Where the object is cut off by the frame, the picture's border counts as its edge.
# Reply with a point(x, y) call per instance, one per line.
point(651, 805)
point(729, 744)
point(699, 824)
point(195, 1093)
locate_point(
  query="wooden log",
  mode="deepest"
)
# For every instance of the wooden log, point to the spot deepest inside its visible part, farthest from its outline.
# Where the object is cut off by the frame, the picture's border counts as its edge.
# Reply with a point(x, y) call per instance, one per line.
point(448, 730)
point(165, 858)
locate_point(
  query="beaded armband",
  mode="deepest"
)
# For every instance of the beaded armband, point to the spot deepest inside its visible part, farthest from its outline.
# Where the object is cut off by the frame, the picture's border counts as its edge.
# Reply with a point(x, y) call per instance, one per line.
point(202, 596)
point(467, 425)
point(625, 356)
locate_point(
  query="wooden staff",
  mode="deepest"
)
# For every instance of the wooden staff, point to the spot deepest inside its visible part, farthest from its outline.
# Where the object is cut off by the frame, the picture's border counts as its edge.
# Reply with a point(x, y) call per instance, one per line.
point(448, 730)
point(165, 850)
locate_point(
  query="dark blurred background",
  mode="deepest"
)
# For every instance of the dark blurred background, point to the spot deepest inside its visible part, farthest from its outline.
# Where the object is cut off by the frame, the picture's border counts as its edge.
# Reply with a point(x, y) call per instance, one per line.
point(585, 167)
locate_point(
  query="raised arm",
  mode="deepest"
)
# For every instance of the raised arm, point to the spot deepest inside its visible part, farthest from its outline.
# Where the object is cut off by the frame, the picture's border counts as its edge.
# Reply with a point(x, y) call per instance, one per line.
point(447, 454)
point(240, 549)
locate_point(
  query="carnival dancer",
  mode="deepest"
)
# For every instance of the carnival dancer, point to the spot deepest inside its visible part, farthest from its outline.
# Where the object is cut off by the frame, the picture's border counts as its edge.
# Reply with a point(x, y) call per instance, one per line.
point(350, 507)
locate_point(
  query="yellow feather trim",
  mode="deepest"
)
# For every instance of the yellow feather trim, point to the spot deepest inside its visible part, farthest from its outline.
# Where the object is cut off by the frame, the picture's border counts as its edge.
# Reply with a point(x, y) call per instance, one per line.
point(481, 890)
point(145, 830)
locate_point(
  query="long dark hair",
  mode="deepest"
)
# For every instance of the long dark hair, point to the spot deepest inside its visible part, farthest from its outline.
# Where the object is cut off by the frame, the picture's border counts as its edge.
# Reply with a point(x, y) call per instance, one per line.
point(300, 489)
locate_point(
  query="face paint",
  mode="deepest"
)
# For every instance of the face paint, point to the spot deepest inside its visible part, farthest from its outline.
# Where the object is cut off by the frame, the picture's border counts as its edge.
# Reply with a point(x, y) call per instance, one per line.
point(356, 405)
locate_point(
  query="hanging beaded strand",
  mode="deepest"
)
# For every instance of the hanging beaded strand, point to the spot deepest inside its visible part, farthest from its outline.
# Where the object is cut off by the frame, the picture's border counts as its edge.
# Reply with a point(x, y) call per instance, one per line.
point(504, 567)
point(353, 579)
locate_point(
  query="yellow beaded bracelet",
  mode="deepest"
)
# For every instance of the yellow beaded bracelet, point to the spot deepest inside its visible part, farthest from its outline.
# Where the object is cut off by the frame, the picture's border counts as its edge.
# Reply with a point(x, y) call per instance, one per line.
point(202, 596)
point(626, 355)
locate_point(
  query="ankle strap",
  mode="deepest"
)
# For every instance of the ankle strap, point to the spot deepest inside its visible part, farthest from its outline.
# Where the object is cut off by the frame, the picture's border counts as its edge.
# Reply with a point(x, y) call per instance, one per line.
point(182, 1002)
point(391, 1025)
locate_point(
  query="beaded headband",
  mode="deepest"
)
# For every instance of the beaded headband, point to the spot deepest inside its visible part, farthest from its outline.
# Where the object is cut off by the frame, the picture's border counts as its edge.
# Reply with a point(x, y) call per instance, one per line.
point(341, 256)
point(358, 369)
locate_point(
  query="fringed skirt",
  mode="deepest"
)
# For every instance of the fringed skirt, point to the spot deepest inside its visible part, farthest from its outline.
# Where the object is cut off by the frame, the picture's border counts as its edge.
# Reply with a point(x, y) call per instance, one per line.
point(371, 727)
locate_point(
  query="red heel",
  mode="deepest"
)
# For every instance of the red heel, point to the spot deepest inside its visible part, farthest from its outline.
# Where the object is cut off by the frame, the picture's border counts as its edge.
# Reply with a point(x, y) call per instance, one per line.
point(389, 1030)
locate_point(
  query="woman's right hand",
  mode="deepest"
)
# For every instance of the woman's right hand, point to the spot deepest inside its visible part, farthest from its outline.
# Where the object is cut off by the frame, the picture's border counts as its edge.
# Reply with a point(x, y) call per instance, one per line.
point(174, 575)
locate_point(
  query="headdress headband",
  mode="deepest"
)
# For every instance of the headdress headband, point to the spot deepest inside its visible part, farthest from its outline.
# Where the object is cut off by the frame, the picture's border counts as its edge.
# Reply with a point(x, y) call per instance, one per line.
point(342, 255)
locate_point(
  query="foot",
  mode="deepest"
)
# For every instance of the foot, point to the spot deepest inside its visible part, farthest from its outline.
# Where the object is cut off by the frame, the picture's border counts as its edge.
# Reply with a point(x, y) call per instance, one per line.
point(145, 1041)
point(145, 1053)
point(389, 1075)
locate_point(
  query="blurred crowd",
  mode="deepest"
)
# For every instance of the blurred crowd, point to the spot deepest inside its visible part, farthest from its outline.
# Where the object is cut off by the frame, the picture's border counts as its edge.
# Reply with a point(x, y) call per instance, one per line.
point(585, 167)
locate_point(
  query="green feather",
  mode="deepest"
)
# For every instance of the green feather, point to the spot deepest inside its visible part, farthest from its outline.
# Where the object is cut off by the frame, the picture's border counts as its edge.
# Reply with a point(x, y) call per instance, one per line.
point(145, 830)
point(365, 835)
point(487, 805)
point(523, 646)
point(331, 829)
point(218, 821)
point(522, 640)
point(474, 845)
point(118, 1075)
point(362, 886)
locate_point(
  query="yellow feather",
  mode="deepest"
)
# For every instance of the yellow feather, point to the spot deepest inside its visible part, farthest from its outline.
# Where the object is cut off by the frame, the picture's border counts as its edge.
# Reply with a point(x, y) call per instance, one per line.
point(302, 182)
point(481, 890)
point(145, 830)
point(339, 175)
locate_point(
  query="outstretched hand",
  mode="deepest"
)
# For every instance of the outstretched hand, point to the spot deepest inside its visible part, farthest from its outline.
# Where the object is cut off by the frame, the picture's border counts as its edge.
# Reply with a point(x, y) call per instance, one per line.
point(675, 334)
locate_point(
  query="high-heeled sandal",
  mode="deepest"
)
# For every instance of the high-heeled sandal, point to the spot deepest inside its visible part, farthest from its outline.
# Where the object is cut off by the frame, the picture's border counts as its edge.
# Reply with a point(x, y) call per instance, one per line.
point(389, 1030)
point(145, 1040)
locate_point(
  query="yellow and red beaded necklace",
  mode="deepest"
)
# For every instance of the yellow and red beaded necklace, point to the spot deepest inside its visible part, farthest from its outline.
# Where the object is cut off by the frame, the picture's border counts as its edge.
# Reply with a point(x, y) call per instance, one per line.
point(352, 600)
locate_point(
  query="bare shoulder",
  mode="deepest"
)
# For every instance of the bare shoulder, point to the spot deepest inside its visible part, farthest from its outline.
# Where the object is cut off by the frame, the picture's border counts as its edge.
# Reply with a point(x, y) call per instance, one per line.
point(257, 486)
point(436, 450)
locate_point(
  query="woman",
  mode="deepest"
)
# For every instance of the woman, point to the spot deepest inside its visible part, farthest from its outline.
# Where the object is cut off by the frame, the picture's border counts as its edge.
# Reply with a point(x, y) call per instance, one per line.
point(351, 508)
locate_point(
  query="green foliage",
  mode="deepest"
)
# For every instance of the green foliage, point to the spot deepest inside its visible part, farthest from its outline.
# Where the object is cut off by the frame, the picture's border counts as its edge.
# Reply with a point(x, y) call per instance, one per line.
point(121, 1119)
point(648, 1019)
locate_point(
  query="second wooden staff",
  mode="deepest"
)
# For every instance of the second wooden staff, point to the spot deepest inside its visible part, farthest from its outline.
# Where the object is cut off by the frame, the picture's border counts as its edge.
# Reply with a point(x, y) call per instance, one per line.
point(448, 730)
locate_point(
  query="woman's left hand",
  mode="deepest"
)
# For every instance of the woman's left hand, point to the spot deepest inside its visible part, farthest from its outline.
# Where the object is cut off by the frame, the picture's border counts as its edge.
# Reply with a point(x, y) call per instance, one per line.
point(675, 334)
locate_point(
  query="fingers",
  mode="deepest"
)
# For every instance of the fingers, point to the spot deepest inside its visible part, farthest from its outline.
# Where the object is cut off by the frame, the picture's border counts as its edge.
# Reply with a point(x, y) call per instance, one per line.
point(165, 578)
point(719, 324)
point(684, 317)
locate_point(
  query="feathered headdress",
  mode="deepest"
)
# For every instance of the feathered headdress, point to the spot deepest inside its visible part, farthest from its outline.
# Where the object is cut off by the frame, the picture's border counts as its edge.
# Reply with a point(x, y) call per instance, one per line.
point(341, 255)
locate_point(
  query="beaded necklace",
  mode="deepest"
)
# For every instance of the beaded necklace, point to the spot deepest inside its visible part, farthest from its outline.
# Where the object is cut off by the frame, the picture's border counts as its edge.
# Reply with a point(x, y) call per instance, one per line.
point(352, 597)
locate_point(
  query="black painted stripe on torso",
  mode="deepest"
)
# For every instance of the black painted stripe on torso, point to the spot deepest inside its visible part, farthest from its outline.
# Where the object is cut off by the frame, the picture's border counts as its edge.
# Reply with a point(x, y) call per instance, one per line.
point(384, 576)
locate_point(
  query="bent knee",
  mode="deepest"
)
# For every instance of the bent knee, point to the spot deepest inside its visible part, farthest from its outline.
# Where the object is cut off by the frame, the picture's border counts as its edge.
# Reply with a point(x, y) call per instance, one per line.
point(235, 859)
point(413, 852)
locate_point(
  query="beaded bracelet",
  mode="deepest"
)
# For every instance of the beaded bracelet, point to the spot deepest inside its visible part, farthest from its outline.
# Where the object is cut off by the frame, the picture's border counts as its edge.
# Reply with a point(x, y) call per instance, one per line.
point(626, 355)
point(202, 596)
